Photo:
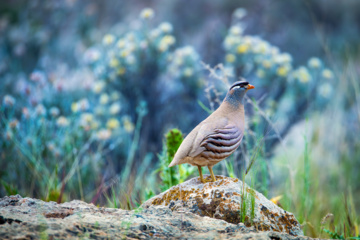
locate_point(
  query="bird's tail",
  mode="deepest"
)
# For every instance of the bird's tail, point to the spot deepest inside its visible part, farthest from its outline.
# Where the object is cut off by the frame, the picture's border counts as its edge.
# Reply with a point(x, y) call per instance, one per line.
point(176, 161)
point(173, 163)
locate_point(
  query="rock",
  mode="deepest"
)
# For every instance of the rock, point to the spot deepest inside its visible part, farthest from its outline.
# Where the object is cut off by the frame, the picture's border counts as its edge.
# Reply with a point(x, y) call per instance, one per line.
point(224, 200)
point(27, 218)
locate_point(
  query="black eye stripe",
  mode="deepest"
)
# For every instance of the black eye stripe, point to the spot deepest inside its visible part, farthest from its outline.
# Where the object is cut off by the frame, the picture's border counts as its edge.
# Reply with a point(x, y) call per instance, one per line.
point(240, 84)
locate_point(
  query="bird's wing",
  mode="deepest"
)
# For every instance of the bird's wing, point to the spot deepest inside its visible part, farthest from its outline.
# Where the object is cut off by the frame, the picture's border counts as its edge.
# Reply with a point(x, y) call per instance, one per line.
point(219, 143)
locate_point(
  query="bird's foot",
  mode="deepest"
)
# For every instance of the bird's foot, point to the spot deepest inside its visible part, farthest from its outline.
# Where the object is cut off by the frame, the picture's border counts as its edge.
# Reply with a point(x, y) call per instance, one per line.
point(202, 180)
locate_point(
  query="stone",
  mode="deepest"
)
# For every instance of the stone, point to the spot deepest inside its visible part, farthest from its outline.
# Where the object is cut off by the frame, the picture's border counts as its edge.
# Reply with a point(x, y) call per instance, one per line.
point(27, 218)
point(224, 200)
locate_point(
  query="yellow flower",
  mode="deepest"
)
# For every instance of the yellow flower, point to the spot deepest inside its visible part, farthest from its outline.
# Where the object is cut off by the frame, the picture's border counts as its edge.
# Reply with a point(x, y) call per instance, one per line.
point(124, 53)
point(166, 42)
point(303, 75)
point(87, 117)
point(108, 39)
point(283, 71)
point(169, 39)
point(188, 72)
point(121, 43)
point(74, 107)
point(98, 86)
point(104, 98)
point(103, 134)
point(147, 13)
point(128, 125)
point(326, 73)
point(230, 58)
point(243, 48)
point(114, 62)
point(62, 121)
point(276, 199)
point(112, 123)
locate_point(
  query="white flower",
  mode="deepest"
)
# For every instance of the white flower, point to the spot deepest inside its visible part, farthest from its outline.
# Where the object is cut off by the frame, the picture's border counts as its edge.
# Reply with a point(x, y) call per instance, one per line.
point(83, 104)
point(147, 13)
point(62, 121)
point(130, 59)
point(166, 42)
point(115, 108)
point(108, 39)
point(98, 86)
point(104, 98)
point(314, 62)
point(103, 134)
point(87, 117)
point(166, 27)
point(303, 75)
point(40, 110)
point(155, 33)
point(229, 42)
point(239, 13)
point(121, 43)
point(328, 74)
point(54, 111)
point(236, 30)
point(187, 51)
point(283, 58)
point(188, 72)
point(9, 101)
point(325, 90)
point(92, 55)
point(128, 125)
point(38, 76)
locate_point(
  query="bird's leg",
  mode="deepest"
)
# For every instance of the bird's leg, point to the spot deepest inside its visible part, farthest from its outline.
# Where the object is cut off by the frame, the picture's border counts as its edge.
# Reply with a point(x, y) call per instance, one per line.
point(212, 174)
point(201, 176)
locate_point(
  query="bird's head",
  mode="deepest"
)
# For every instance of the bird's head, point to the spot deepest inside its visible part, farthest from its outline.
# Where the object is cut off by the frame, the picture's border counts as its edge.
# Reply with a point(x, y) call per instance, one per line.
point(237, 92)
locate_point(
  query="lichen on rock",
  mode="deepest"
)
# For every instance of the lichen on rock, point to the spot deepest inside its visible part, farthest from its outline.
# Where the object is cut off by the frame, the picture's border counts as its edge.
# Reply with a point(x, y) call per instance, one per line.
point(28, 218)
point(224, 200)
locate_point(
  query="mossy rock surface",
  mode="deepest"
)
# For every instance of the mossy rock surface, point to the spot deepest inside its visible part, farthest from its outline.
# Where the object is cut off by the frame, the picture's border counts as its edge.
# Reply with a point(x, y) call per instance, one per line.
point(224, 200)
point(27, 218)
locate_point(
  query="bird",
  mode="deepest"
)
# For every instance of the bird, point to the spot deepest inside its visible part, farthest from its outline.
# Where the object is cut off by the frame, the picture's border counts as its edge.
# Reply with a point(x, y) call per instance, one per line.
point(218, 136)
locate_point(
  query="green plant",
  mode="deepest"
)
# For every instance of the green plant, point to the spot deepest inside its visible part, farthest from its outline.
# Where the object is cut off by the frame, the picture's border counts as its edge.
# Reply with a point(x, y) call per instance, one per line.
point(174, 175)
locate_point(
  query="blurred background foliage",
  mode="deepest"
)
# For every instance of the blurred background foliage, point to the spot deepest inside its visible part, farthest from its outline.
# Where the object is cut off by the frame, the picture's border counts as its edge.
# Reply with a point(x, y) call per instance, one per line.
point(90, 92)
